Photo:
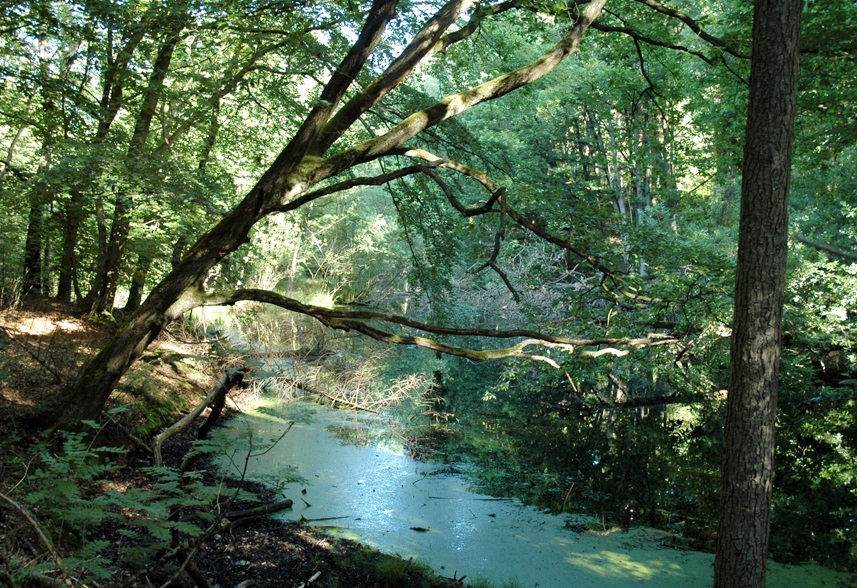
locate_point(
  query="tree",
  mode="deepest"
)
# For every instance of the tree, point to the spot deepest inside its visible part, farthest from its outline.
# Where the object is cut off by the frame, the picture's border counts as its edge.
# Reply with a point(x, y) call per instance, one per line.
point(748, 464)
point(304, 163)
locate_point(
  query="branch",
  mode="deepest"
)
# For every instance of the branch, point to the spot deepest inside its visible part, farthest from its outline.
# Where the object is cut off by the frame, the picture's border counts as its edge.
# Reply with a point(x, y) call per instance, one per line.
point(227, 86)
point(479, 176)
point(229, 379)
point(423, 44)
point(828, 248)
point(352, 183)
point(497, 193)
point(524, 222)
point(44, 538)
point(472, 25)
point(455, 104)
point(348, 319)
point(650, 41)
point(309, 132)
point(695, 27)
point(472, 354)
point(492, 260)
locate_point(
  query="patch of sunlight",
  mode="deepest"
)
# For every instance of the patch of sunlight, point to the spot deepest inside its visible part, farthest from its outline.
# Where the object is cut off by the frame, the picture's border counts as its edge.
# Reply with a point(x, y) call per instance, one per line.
point(610, 564)
point(340, 533)
point(217, 316)
point(322, 299)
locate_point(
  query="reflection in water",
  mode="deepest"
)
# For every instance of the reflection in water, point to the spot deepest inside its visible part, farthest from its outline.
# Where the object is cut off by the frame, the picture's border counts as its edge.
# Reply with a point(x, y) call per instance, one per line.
point(374, 493)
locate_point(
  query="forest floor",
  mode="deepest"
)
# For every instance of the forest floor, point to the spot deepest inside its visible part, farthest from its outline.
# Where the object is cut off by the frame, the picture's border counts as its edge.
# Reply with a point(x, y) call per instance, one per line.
point(42, 347)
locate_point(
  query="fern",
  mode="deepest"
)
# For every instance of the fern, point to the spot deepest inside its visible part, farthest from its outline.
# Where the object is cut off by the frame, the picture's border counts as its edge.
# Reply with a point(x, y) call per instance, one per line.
point(62, 488)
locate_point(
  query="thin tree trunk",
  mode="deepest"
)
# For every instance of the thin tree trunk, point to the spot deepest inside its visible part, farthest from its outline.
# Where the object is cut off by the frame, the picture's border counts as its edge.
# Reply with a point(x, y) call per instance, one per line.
point(138, 282)
point(121, 225)
point(33, 246)
point(748, 463)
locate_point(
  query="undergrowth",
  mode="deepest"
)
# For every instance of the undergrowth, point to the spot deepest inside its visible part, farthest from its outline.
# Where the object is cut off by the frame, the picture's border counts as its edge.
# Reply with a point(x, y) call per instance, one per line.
point(68, 494)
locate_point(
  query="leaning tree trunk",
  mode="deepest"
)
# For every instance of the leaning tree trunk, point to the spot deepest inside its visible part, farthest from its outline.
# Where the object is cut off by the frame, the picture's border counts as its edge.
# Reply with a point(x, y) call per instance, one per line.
point(175, 294)
point(299, 167)
point(748, 464)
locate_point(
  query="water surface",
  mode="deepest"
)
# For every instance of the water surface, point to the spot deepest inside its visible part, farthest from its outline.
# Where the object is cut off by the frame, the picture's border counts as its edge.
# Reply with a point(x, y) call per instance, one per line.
point(368, 489)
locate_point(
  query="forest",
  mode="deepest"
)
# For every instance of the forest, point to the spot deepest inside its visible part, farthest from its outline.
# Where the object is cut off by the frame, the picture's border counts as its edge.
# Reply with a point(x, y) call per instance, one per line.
point(577, 242)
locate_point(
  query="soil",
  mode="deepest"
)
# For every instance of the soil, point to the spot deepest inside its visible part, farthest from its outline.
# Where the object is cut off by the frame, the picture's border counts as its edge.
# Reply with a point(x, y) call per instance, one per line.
point(42, 346)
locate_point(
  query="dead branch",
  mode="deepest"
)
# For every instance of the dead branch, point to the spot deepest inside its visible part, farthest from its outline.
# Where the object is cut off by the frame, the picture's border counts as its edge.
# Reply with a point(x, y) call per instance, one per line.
point(259, 511)
point(312, 579)
point(42, 536)
point(316, 392)
point(852, 255)
point(233, 378)
point(229, 379)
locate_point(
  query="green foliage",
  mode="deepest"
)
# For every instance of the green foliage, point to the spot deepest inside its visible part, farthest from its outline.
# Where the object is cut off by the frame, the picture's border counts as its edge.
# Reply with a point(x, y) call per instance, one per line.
point(68, 489)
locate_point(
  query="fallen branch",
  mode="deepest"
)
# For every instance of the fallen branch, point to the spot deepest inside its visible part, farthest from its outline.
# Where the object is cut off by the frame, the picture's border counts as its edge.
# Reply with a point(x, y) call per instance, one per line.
point(316, 392)
point(259, 511)
point(306, 520)
point(312, 579)
point(43, 536)
point(229, 379)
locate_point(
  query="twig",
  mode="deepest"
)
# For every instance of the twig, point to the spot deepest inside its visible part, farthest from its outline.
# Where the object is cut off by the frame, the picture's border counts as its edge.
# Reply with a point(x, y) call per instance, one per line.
point(58, 377)
point(48, 545)
point(312, 579)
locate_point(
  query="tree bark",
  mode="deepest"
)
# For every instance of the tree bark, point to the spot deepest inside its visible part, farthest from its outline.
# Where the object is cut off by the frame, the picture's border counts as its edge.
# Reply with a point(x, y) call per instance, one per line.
point(748, 463)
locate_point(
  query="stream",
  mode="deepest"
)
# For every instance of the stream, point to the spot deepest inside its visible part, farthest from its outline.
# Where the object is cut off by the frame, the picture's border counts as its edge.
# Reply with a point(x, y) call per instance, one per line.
point(357, 482)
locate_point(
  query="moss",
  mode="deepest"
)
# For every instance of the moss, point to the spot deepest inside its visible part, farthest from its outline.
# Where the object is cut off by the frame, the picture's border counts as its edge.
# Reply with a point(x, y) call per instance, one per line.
point(391, 571)
point(154, 401)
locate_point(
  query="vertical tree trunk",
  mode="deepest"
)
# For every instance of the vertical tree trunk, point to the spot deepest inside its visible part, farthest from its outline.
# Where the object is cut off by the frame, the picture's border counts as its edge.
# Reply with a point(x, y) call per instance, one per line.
point(33, 246)
point(108, 281)
point(748, 464)
point(138, 282)
point(111, 101)
point(39, 193)
point(68, 257)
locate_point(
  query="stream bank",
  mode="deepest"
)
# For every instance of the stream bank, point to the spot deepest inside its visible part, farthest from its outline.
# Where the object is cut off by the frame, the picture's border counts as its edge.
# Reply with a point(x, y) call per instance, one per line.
point(171, 378)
